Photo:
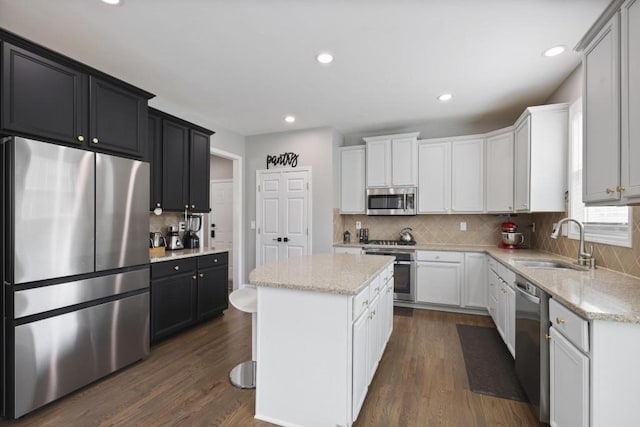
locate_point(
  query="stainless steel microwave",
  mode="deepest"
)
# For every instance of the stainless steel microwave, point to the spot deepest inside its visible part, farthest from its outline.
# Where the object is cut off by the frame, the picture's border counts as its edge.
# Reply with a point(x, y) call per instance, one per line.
point(391, 201)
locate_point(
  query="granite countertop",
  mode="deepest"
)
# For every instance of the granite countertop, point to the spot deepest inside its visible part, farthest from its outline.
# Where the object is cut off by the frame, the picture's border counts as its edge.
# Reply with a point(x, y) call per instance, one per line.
point(344, 274)
point(599, 294)
point(186, 253)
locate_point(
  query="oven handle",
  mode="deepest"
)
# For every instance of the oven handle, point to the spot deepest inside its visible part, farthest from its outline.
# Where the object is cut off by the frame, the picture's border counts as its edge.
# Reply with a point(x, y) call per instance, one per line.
point(528, 297)
point(403, 262)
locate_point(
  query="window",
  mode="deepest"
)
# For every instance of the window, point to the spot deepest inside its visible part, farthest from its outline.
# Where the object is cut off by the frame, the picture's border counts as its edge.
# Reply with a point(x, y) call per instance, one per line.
point(602, 224)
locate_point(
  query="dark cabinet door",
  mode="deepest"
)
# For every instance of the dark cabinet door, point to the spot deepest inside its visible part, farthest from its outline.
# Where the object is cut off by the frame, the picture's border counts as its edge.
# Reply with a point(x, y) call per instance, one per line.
point(175, 170)
point(118, 119)
point(154, 157)
point(199, 172)
point(213, 294)
point(43, 98)
point(173, 304)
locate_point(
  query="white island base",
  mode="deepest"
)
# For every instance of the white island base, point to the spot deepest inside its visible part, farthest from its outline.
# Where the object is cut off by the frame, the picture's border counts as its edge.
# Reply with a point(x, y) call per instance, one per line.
point(317, 351)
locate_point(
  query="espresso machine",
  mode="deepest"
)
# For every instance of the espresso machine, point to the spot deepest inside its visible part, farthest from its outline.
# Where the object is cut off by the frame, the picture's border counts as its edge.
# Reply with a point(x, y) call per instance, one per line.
point(193, 226)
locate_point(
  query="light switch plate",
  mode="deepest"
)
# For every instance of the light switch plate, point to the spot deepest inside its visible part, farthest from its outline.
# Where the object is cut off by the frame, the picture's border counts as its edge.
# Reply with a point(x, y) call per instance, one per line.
point(463, 226)
point(358, 225)
point(181, 226)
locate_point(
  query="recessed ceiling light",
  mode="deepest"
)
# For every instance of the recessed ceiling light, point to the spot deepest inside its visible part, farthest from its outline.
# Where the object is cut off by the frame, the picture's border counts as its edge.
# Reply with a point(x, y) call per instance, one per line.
point(445, 97)
point(324, 58)
point(289, 119)
point(554, 51)
point(112, 2)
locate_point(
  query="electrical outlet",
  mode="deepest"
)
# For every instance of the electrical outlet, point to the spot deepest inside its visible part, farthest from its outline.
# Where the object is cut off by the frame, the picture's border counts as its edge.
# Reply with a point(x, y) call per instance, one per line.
point(358, 225)
point(533, 227)
point(463, 226)
point(181, 226)
point(252, 225)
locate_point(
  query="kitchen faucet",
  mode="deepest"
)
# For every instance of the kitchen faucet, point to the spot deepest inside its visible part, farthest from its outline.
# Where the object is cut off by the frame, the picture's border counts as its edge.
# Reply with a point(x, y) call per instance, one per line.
point(584, 258)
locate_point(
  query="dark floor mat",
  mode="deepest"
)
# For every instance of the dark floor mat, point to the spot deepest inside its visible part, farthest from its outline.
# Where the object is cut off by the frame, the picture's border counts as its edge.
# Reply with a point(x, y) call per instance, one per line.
point(490, 367)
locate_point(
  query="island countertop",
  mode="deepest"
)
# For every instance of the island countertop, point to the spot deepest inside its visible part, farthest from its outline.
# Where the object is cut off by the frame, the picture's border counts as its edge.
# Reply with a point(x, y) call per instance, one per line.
point(344, 274)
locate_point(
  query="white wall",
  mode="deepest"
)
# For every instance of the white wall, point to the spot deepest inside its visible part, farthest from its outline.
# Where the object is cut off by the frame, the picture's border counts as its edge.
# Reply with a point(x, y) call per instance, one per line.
point(316, 148)
point(569, 90)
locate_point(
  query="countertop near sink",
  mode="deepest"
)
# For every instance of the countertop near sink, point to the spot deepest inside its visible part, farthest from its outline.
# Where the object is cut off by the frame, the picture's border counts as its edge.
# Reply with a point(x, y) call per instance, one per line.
point(186, 253)
point(600, 294)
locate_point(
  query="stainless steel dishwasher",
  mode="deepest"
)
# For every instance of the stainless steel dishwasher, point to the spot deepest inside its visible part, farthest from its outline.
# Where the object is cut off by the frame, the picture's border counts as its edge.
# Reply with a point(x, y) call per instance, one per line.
point(532, 347)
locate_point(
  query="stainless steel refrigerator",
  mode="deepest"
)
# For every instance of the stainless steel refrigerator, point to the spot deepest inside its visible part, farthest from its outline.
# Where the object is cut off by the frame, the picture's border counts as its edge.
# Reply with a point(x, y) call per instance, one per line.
point(75, 268)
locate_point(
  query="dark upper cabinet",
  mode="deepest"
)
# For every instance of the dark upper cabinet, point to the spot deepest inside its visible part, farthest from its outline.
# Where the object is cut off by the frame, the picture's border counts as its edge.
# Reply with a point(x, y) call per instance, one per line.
point(179, 154)
point(154, 157)
point(42, 97)
point(118, 119)
point(175, 167)
point(50, 97)
point(199, 171)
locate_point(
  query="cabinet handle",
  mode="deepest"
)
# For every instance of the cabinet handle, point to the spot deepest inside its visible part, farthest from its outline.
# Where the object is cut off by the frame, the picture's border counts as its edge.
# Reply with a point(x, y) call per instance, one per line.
point(215, 260)
point(547, 337)
point(376, 289)
point(620, 188)
point(158, 204)
point(510, 207)
point(80, 138)
point(373, 313)
point(365, 302)
point(609, 190)
point(194, 277)
point(186, 206)
point(559, 321)
point(176, 268)
point(95, 140)
point(201, 274)
point(193, 206)
point(438, 257)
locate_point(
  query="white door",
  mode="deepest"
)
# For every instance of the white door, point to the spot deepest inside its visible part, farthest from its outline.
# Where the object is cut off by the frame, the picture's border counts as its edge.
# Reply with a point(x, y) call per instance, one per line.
point(221, 217)
point(282, 217)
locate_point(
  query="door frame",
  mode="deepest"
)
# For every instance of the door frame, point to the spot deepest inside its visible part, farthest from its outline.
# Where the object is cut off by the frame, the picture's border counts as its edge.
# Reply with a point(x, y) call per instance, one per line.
point(238, 214)
point(309, 205)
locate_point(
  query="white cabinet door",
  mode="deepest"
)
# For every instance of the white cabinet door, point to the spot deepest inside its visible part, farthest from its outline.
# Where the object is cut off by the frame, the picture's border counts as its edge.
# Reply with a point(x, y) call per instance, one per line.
point(360, 362)
point(404, 165)
point(500, 172)
point(352, 180)
point(501, 311)
point(373, 338)
point(379, 163)
point(434, 177)
point(439, 282)
point(569, 383)
point(467, 175)
point(522, 167)
point(601, 112)
point(630, 73)
point(475, 280)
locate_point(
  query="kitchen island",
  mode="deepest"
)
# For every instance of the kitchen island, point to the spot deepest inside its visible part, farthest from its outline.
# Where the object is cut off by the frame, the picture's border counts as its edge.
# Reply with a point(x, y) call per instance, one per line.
point(323, 323)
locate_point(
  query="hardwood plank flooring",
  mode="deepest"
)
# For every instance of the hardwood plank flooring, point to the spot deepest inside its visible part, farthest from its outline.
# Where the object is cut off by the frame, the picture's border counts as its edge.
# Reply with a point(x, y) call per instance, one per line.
point(421, 381)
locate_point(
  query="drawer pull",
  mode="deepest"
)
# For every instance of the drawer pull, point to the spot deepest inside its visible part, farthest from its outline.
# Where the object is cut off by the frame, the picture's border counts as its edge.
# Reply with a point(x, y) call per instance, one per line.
point(95, 140)
point(194, 277)
point(176, 268)
point(560, 321)
point(80, 138)
point(376, 289)
point(365, 302)
point(215, 260)
point(201, 275)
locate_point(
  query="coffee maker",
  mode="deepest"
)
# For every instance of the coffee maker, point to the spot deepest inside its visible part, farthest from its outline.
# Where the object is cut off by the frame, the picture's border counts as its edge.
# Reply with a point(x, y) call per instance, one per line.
point(173, 239)
point(193, 224)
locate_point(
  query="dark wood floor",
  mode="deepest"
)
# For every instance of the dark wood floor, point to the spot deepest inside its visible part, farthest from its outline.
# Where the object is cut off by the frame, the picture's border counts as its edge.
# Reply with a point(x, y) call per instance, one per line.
point(421, 381)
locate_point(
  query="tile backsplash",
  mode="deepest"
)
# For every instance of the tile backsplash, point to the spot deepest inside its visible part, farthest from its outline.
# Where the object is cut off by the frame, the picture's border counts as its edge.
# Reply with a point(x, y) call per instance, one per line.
point(445, 229)
point(618, 258)
point(162, 222)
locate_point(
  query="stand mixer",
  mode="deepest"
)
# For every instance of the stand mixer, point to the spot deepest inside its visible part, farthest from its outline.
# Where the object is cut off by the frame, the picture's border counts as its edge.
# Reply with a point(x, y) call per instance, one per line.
point(510, 237)
point(193, 226)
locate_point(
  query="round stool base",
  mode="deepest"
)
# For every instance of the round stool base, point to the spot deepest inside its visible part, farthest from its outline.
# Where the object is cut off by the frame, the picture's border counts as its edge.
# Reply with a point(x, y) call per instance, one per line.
point(244, 375)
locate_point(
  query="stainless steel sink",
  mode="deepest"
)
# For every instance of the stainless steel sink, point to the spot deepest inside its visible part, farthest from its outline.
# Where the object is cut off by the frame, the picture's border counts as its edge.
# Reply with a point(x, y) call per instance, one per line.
point(553, 265)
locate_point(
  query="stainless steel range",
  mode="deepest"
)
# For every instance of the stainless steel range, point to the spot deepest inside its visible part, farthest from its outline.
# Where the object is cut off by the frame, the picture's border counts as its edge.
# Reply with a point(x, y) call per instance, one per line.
point(404, 268)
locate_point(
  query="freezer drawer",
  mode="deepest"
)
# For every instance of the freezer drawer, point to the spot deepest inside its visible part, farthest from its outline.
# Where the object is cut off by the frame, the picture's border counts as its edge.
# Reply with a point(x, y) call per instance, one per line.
point(60, 354)
point(39, 300)
point(122, 212)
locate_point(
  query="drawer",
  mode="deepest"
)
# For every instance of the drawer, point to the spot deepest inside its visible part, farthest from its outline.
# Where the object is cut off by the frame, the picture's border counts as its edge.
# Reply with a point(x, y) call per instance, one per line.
point(361, 302)
point(171, 268)
point(207, 261)
point(572, 326)
point(439, 256)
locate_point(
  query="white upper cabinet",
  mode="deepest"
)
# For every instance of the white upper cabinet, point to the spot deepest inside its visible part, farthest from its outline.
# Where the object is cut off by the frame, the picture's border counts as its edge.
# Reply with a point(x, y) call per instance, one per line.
point(611, 106)
point(601, 115)
point(467, 175)
point(352, 180)
point(392, 160)
point(541, 136)
point(434, 177)
point(499, 171)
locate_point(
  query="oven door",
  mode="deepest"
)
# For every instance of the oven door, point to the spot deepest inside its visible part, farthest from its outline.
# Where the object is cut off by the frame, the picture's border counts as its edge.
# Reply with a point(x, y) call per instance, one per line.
point(403, 280)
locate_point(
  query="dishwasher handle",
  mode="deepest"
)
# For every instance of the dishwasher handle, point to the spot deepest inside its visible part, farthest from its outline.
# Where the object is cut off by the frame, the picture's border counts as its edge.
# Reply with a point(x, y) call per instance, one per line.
point(526, 295)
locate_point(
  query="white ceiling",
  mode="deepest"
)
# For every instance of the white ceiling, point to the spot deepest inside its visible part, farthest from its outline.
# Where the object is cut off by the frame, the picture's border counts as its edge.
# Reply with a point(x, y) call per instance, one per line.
point(245, 64)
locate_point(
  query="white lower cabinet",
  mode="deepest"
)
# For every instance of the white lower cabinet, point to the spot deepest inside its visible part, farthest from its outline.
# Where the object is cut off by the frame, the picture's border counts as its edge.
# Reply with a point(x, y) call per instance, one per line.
point(360, 359)
point(501, 302)
point(569, 383)
point(439, 277)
